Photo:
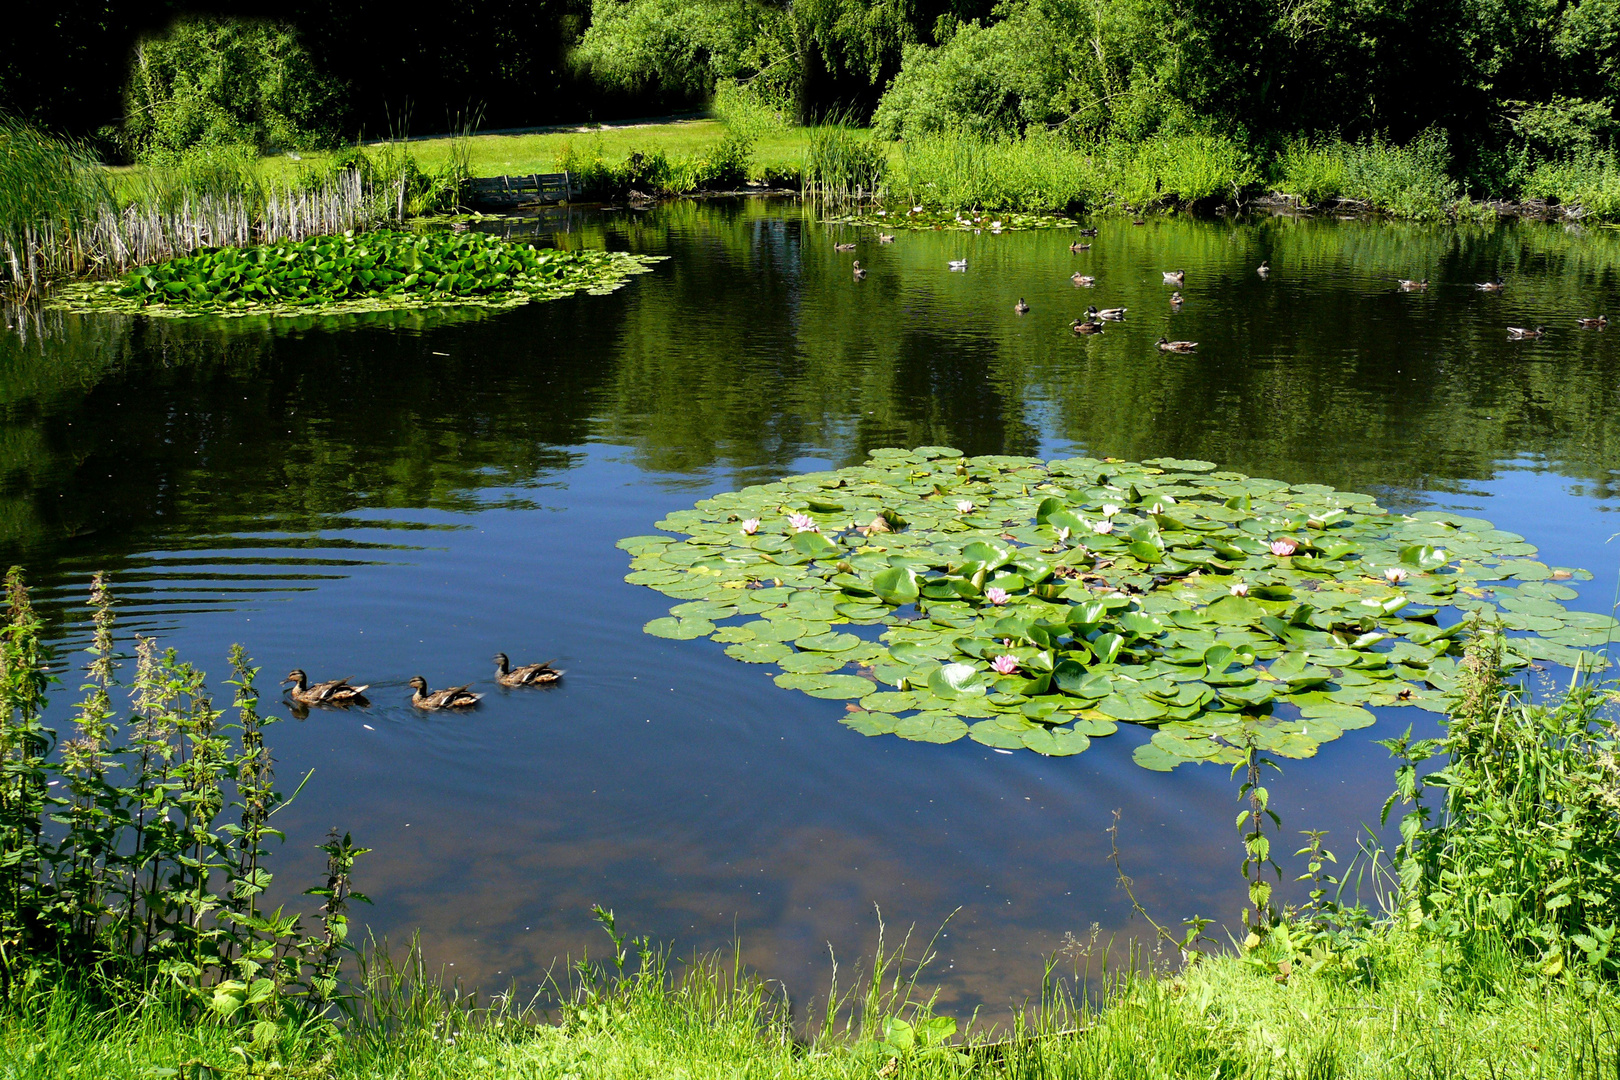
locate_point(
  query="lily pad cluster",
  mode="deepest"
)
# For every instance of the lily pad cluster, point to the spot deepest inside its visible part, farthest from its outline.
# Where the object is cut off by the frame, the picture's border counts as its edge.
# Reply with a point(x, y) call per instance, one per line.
point(1038, 605)
point(960, 221)
point(387, 268)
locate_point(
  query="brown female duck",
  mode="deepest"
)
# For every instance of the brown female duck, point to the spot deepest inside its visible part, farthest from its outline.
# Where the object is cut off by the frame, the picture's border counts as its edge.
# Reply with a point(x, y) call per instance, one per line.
point(332, 692)
point(525, 675)
point(456, 697)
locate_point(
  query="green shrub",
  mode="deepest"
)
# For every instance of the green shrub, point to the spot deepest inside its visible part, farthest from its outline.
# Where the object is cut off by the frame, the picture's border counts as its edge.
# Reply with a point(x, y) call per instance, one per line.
point(209, 82)
point(1590, 181)
point(1411, 181)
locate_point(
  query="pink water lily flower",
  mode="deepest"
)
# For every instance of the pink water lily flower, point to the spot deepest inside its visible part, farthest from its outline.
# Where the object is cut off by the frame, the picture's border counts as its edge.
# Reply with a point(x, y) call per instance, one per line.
point(1102, 527)
point(750, 526)
point(803, 523)
point(1395, 575)
point(996, 596)
point(1240, 589)
point(1284, 547)
point(1005, 665)
point(964, 507)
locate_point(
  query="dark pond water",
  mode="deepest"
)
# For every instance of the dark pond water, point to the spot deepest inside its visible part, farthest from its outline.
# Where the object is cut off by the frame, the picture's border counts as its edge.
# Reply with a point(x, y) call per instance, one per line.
point(383, 499)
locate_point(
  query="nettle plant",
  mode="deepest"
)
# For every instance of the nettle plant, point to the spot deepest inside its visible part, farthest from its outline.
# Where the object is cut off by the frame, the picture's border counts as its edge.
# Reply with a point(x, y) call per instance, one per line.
point(135, 849)
point(1030, 604)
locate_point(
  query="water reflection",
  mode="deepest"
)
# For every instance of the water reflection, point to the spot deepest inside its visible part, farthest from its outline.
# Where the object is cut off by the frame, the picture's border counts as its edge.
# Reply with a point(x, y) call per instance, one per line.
point(384, 497)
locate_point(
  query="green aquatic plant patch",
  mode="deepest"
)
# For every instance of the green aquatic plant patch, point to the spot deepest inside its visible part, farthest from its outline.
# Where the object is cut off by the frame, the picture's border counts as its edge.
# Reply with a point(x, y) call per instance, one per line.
point(1038, 605)
point(367, 271)
point(918, 218)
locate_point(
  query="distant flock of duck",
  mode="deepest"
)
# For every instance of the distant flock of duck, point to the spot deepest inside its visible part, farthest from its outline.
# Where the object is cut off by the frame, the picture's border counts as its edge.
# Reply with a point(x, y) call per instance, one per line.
point(341, 692)
point(1094, 318)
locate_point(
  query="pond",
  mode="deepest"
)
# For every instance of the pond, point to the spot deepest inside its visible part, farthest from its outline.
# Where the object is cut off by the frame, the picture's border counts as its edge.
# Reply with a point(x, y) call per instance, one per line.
point(382, 496)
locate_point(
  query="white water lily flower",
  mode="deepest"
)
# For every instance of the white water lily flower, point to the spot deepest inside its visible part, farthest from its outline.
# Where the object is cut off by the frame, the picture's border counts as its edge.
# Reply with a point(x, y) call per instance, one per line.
point(1395, 575)
point(1063, 535)
point(750, 526)
point(1240, 589)
point(1109, 510)
point(964, 507)
point(1102, 528)
point(1158, 508)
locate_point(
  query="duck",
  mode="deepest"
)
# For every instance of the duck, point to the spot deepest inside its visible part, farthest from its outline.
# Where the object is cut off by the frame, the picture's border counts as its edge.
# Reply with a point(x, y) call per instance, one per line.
point(1519, 333)
point(885, 238)
point(1175, 277)
point(1077, 246)
point(1176, 346)
point(1491, 286)
point(1085, 280)
point(957, 264)
point(1090, 326)
point(526, 675)
point(1086, 232)
point(1594, 324)
point(456, 697)
point(1139, 221)
point(859, 271)
point(1176, 300)
point(1264, 268)
point(332, 692)
point(1021, 307)
point(1408, 285)
point(1112, 314)
point(843, 247)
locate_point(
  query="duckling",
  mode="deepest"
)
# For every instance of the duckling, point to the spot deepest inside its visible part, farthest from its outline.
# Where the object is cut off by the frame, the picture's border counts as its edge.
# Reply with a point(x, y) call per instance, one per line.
point(1408, 285)
point(1111, 314)
point(1594, 324)
point(1021, 307)
point(1491, 286)
point(1084, 280)
point(1090, 326)
point(957, 264)
point(859, 272)
point(843, 247)
point(885, 238)
point(1086, 232)
point(1175, 277)
point(1176, 300)
point(1264, 268)
point(527, 675)
point(332, 692)
point(1519, 333)
point(1176, 346)
point(1077, 246)
point(456, 697)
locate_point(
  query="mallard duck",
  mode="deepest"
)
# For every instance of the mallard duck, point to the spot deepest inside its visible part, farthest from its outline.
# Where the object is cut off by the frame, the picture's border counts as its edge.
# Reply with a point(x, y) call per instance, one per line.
point(1264, 268)
point(333, 692)
point(1139, 221)
point(843, 247)
point(1594, 324)
point(456, 697)
point(1085, 280)
point(859, 273)
point(1175, 277)
point(1176, 300)
point(1111, 314)
point(885, 238)
point(1176, 346)
point(1408, 285)
point(1086, 232)
point(1021, 307)
point(957, 264)
point(527, 675)
point(1077, 246)
point(1090, 326)
point(1519, 333)
point(1491, 286)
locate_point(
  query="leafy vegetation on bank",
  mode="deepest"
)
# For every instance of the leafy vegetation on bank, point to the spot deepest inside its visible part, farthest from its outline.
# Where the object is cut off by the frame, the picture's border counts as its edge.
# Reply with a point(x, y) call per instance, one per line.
point(384, 268)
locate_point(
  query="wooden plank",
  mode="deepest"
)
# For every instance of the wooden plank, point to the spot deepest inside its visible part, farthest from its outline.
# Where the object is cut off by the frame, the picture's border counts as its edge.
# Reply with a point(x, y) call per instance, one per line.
point(514, 190)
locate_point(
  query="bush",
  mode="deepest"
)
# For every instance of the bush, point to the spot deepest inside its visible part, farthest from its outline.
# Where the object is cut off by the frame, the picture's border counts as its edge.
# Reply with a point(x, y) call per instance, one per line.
point(1409, 181)
point(1589, 181)
point(210, 82)
point(985, 82)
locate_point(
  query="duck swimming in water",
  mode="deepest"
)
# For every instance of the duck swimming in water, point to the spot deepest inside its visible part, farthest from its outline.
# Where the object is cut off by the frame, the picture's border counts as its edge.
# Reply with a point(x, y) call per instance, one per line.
point(456, 697)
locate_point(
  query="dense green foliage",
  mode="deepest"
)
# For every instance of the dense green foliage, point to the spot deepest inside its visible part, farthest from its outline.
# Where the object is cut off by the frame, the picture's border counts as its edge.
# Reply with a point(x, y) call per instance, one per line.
point(47, 186)
point(136, 850)
point(209, 82)
point(383, 268)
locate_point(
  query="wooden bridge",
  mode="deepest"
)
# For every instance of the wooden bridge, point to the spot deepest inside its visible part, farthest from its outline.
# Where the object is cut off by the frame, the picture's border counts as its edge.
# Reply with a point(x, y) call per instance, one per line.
point(510, 192)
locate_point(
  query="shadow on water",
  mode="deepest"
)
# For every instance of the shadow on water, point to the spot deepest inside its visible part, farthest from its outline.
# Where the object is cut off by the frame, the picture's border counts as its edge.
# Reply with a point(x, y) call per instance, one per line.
point(384, 497)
